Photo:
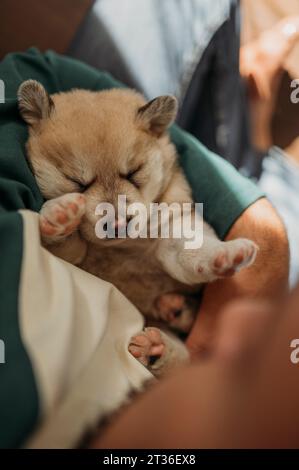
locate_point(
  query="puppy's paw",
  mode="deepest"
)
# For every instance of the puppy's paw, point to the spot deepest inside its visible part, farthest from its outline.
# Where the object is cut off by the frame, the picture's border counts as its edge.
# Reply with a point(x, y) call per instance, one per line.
point(148, 346)
point(175, 310)
point(233, 256)
point(60, 217)
point(158, 351)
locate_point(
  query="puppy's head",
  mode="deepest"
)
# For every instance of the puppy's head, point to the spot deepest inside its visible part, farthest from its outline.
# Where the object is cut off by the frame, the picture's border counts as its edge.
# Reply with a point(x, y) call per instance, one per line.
point(103, 144)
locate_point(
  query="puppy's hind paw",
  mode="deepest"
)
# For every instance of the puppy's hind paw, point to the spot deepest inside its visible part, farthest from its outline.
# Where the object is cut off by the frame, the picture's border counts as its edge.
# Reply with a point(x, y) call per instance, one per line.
point(157, 351)
point(147, 346)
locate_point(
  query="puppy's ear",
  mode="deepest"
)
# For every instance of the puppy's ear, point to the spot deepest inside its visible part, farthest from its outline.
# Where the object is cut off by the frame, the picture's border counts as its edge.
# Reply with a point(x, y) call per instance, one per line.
point(34, 102)
point(157, 115)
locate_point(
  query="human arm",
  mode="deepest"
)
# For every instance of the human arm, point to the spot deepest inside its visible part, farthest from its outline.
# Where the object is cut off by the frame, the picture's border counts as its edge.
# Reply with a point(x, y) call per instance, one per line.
point(267, 277)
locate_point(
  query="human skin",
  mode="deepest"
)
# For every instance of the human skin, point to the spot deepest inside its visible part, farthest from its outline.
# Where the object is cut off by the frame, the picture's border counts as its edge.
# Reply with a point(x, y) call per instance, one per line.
point(262, 63)
point(266, 278)
point(243, 395)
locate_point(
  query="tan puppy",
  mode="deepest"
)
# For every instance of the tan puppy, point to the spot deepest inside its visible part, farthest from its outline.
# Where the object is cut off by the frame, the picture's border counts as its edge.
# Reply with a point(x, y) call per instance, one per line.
point(90, 147)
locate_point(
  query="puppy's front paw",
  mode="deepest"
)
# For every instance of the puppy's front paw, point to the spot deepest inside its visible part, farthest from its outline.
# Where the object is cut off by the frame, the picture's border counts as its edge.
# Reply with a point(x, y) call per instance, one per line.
point(61, 216)
point(234, 255)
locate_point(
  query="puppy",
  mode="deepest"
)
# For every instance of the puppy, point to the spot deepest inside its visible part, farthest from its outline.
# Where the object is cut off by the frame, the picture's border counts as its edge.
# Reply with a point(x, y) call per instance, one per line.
point(90, 147)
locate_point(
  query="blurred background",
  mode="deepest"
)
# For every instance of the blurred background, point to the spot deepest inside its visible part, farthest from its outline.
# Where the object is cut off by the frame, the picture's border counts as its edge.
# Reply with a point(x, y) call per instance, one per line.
point(231, 67)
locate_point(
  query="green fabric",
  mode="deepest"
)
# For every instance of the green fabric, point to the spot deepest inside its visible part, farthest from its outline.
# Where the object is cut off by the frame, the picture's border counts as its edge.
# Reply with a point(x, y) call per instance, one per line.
point(18, 394)
point(224, 192)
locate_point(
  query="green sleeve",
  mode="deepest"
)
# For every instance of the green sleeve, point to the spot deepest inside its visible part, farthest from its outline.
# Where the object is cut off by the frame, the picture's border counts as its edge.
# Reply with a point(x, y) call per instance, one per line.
point(19, 400)
point(224, 192)
point(71, 73)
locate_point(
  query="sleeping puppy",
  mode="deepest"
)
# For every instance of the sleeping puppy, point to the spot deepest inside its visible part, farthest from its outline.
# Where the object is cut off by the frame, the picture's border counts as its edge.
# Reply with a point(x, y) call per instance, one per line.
point(86, 148)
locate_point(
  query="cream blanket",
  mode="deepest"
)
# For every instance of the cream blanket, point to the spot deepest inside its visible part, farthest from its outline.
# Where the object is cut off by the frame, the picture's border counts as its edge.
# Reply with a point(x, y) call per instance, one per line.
point(76, 329)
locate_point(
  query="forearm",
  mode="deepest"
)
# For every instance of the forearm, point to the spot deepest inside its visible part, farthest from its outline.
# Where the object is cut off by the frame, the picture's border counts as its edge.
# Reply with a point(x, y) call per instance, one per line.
point(226, 399)
point(266, 278)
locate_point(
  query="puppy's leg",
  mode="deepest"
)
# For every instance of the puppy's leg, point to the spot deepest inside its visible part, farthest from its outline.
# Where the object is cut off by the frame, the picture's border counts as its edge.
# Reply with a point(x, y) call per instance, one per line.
point(213, 260)
point(216, 259)
point(158, 351)
point(59, 220)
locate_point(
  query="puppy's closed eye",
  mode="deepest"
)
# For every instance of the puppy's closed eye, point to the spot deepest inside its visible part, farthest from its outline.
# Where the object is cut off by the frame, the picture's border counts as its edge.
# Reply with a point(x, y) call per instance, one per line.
point(131, 176)
point(81, 185)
